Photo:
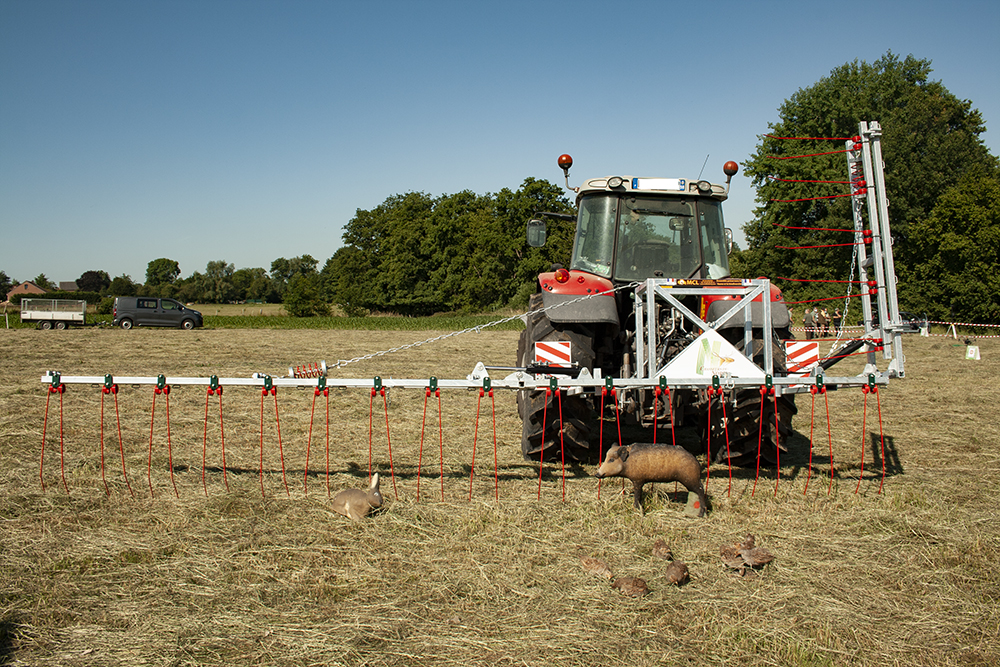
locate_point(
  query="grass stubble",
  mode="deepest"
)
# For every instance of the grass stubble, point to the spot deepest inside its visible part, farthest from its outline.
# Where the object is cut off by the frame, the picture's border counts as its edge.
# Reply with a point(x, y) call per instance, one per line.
point(907, 577)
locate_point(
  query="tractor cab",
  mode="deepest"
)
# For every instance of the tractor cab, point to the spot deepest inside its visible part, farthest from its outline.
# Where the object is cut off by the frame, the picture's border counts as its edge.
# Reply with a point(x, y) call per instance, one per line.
point(631, 228)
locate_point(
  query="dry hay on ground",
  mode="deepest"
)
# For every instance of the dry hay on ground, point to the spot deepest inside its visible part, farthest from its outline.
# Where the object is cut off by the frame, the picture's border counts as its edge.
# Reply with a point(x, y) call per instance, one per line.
point(908, 576)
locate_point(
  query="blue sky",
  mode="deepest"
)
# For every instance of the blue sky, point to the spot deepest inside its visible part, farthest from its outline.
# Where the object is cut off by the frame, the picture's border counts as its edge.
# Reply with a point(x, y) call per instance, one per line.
point(247, 131)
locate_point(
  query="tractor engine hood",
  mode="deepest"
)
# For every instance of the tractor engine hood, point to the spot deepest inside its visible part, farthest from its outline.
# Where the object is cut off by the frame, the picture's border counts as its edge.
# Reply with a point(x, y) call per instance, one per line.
point(587, 298)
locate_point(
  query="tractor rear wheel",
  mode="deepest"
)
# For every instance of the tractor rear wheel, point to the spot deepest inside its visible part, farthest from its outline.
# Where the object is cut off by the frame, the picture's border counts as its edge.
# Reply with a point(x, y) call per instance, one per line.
point(555, 425)
point(751, 427)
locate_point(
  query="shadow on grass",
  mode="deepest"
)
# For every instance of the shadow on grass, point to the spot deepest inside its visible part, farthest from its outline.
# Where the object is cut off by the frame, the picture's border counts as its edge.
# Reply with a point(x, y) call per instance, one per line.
point(8, 628)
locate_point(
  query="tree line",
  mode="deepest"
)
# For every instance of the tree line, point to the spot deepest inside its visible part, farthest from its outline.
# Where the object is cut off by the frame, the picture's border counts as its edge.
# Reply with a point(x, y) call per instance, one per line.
point(942, 183)
point(415, 254)
point(412, 255)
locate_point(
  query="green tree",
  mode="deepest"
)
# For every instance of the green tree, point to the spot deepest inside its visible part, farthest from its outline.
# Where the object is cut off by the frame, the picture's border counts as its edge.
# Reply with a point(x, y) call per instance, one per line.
point(6, 284)
point(252, 284)
point(191, 289)
point(386, 260)
point(512, 210)
point(122, 286)
point(42, 281)
point(218, 282)
point(304, 296)
point(283, 270)
point(162, 271)
point(956, 252)
point(930, 140)
point(346, 278)
point(415, 254)
point(93, 281)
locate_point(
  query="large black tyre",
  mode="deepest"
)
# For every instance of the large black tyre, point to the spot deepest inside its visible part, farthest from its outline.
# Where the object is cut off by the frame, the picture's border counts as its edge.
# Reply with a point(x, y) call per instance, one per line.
point(542, 427)
point(746, 434)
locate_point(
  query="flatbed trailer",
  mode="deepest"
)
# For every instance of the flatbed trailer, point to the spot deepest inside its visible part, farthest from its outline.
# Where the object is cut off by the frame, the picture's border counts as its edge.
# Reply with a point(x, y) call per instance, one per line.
point(54, 313)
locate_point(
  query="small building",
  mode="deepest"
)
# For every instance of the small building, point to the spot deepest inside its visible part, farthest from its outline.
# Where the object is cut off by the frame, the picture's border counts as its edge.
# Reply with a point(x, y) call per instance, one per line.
point(27, 287)
point(69, 286)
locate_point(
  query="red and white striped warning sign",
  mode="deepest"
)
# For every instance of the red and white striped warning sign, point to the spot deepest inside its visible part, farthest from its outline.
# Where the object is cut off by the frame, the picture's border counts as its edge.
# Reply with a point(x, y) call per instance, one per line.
point(801, 356)
point(554, 353)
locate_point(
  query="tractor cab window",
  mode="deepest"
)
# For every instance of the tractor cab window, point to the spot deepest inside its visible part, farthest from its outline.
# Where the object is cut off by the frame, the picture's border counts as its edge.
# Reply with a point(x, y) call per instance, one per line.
point(657, 237)
point(713, 239)
point(594, 246)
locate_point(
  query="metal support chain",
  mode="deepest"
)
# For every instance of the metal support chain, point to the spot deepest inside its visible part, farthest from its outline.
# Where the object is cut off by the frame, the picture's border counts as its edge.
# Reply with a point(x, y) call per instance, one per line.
point(367, 357)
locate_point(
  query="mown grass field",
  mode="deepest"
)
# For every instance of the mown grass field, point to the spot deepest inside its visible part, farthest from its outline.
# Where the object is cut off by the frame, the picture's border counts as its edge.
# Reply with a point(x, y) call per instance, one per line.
point(908, 576)
point(272, 316)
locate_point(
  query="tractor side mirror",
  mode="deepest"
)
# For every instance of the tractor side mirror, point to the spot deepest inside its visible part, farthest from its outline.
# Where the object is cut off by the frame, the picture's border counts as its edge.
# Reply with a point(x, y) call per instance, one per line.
point(536, 233)
point(729, 241)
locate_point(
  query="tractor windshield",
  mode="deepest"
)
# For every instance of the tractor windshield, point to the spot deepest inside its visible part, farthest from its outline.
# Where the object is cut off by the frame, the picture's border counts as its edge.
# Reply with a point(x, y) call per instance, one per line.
point(594, 246)
point(656, 236)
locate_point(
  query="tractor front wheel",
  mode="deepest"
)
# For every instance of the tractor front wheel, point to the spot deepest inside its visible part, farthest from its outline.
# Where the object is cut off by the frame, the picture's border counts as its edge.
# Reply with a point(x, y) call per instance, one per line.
point(554, 426)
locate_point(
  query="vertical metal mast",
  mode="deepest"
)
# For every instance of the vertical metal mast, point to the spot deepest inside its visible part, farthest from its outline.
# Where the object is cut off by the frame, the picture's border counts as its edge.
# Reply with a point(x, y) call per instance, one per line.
point(889, 324)
point(856, 172)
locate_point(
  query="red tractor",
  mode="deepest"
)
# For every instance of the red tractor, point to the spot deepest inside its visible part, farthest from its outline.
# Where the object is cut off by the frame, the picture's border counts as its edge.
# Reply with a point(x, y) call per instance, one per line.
point(629, 230)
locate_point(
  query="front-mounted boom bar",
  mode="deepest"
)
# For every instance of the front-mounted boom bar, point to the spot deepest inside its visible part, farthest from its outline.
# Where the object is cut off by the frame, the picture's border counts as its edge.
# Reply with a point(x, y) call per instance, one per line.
point(708, 362)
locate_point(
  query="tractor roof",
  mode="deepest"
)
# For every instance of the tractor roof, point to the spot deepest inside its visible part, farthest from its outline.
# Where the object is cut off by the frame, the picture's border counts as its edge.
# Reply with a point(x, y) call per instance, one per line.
point(659, 186)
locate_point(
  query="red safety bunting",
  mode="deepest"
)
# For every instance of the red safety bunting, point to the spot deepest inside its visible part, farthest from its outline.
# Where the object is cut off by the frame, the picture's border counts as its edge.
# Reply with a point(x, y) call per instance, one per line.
point(312, 417)
point(795, 157)
point(440, 440)
point(496, 460)
point(475, 436)
point(856, 139)
point(204, 443)
point(388, 440)
point(829, 435)
point(105, 390)
point(817, 280)
point(222, 436)
point(165, 390)
point(656, 399)
point(260, 470)
point(725, 423)
point(281, 449)
point(562, 443)
point(777, 444)
point(420, 452)
point(107, 490)
point(810, 247)
point(541, 455)
point(864, 418)
point(795, 201)
point(423, 424)
point(708, 444)
point(600, 437)
point(326, 397)
point(371, 418)
point(121, 443)
point(760, 437)
point(804, 180)
point(881, 436)
point(813, 229)
point(729, 458)
point(388, 436)
point(60, 389)
point(812, 416)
